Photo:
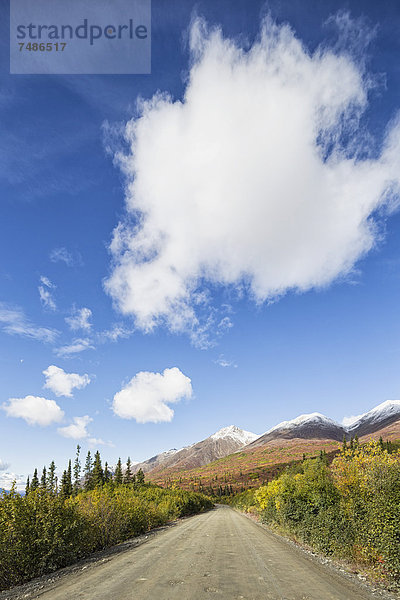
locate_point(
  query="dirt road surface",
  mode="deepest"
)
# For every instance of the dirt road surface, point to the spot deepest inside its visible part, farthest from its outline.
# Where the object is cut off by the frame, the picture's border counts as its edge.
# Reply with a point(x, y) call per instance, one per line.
point(217, 555)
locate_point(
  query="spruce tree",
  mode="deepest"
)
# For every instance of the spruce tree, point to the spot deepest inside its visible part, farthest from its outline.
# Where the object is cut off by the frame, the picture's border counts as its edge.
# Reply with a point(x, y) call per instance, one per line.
point(27, 487)
point(35, 481)
point(140, 477)
point(69, 478)
point(107, 474)
point(118, 473)
point(43, 480)
point(128, 472)
point(88, 469)
point(98, 474)
point(344, 443)
point(77, 470)
point(64, 485)
point(51, 477)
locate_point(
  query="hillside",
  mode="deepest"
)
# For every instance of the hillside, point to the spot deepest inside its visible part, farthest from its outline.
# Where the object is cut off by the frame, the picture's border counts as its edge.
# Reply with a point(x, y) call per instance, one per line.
point(264, 457)
point(219, 444)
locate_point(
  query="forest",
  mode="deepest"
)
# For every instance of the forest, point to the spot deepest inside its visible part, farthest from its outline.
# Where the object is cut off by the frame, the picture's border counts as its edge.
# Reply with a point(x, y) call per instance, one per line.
point(59, 522)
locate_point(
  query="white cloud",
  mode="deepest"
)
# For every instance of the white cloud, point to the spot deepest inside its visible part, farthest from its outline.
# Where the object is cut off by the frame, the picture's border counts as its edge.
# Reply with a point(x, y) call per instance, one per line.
point(46, 298)
point(62, 383)
point(80, 319)
point(3, 465)
point(34, 410)
point(46, 281)
point(78, 429)
point(224, 362)
point(347, 421)
point(147, 395)
point(93, 442)
point(7, 479)
point(249, 182)
point(62, 255)
point(116, 332)
point(14, 322)
point(78, 345)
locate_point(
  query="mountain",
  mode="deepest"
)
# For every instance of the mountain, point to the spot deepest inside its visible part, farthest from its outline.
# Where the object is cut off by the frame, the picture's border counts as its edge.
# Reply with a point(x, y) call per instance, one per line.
point(376, 419)
point(219, 444)
point(311, 426)
point(154, 461)
point(264, 457)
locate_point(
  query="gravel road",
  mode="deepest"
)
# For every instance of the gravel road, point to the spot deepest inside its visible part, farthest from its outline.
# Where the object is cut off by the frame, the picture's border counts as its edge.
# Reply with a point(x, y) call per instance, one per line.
point(220, 554)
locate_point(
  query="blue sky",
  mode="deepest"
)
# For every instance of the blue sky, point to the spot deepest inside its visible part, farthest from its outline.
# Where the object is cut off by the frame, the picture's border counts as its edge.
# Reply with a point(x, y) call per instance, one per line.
point(267, 316)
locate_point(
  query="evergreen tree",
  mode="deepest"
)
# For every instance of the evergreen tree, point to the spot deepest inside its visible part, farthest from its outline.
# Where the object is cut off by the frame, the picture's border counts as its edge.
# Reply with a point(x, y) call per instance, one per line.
point(98, 474)
point(118, 473)
point(88, 471)
point(27, 487)
point(381, 446)
point(43, 480)
point(66, 482)
point(128, 472)
point(140, 477)
point(51, 477)
point(69, 476)
point(344, 443)
point(107, 474)
point(77, 470)
point(35, 481)
point(64, 485)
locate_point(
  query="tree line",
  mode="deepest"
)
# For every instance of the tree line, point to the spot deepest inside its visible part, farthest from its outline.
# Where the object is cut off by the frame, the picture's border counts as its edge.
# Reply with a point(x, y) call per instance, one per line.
point(75, 479)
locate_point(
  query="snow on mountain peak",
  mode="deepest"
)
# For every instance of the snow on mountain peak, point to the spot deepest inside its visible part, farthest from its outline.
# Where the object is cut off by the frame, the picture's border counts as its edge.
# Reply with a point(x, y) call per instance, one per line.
point(314, 417)
point(383, 411)
point(233, 432)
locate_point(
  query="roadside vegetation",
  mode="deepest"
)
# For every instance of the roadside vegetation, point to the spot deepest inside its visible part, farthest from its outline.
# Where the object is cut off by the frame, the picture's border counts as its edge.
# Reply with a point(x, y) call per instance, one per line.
point(349, 509)
point(57, 523)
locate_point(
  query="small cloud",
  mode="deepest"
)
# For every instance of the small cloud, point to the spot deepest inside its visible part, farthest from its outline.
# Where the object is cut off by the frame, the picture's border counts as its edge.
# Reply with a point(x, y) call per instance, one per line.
point(147, 395)
point(116, 332)
point(34, 410)
point(93, 442)
point(3, 465)
point(223, 362)
point(80, 319)
point(14, 322)
point(78, 429)
point(7, 479)
point(77, 346)
point(62, 383)
point(46, 298)
point(347, 421)
point(46, 281)
point(62, 255)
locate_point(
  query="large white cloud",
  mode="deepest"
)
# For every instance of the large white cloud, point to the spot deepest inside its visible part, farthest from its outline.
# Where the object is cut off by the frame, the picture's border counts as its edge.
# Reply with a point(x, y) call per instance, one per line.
point(62, 383)
point(254, 180)
point(34, 410)
point(78, 429)
point(147, 395)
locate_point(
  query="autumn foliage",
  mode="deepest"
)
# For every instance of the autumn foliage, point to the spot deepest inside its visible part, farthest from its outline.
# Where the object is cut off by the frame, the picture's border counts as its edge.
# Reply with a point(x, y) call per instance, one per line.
point(349, 509)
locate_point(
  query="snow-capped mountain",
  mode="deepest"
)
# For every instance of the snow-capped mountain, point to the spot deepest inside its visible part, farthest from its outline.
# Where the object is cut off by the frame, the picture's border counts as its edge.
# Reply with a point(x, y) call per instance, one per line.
point(317, 426)
point(310, 426)
point(234, 433)
point(381, 416)
point(221, 443)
